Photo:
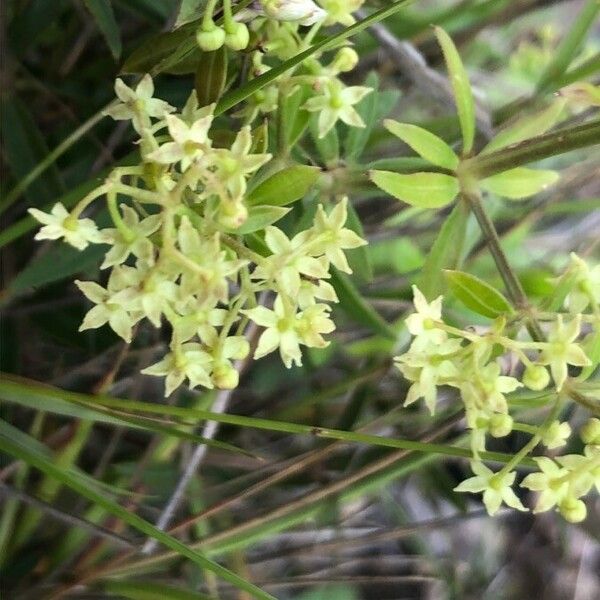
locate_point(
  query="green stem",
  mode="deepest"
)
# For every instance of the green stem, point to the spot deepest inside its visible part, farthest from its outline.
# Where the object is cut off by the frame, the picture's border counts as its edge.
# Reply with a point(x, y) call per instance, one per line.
point(207, 21)
point(51, 158)
point(545, 146)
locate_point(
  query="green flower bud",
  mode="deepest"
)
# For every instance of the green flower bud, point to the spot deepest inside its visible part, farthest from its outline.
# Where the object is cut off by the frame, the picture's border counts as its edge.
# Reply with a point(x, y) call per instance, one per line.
point(232, 216)
point(590, 432)
point(573, 510)
point(536, 378)
point(225, 377)
point(210, 39)
point(500, 425)
point(237, 36)
point(345, 60)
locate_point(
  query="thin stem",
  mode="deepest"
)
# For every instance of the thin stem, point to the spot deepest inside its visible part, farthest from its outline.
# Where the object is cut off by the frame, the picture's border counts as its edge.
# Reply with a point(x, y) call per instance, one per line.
point(545, 146)
point(51, 158)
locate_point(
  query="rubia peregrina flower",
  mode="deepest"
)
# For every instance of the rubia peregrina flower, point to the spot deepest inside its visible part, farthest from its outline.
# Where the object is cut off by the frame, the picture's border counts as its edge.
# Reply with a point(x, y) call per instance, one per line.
point(176, 254)
point(474, 363)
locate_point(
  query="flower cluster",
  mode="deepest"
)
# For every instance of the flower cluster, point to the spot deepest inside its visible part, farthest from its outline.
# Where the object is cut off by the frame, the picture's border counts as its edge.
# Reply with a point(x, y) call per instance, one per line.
point(280, 29)
point(177, 253)
point(472, 363)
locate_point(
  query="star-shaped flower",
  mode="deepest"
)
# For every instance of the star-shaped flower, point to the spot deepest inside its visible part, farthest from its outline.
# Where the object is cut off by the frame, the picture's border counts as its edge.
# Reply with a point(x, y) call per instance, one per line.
point(188, 361)
point(562, 350)
point(235, 165)
point(79, 233)
point(496, 487)
point(334, 238)
point(336, 103)
point(189, 142)
point(423, 323)
point(107, 310)
point(139, 103)
point(289, 262)
point(280, 332)
point(138, 244)
point(552, 483)
point(429, 369)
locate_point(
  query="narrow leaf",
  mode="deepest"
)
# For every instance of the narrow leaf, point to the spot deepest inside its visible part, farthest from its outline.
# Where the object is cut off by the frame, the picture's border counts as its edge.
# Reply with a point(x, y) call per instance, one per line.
point(519, 183)
point(285, 186)
point(446, 252)
point(260, 217)
point(359, 259)
point(477, 295)
point(211, 76)
point(357, 307)
point(528, 127)
point(46, 466)
point(463, 94)
point(190, 10)
point(570, 45)
point(426, 144)
point(105, 19)
point(425, 190)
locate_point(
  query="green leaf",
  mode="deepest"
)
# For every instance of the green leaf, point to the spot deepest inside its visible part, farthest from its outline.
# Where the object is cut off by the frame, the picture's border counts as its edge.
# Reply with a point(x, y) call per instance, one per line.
point(519, 183)
point(477, 295)
point(260, 217)
point(59, 262)
point(190, 10)
point(24, 147)
point(359, 258)
point(425, 144)
point(328, 43)
point(328, 146)
point(19, 392)
point(370, 109)
point(567, 50)
point(357, 307)
point(284, 187)
point(463, 94)
point(27, 453)
point(528, 127)
point(156, 49)
point(424, 190)
point(211, 76)
point(105, 19)
point(446, 252)
point(138, 590)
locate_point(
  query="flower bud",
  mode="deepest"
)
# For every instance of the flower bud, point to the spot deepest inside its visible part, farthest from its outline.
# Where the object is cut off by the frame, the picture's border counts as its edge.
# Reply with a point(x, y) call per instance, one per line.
point(225, 377)
point(536, 378)
point(556, 435)
point(500, 425)
point(237, 36)
point(345, 60)
point(590, 432)
point(304, 11)
point(210, 39)
point(573, 510)
point(232, 216)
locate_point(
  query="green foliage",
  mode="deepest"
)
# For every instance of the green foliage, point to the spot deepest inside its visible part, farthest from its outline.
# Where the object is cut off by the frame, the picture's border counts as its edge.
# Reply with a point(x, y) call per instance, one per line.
point(233, 224)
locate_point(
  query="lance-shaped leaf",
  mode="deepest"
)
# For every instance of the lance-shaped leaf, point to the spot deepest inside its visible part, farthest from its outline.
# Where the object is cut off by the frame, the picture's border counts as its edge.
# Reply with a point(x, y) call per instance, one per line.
point(211, 76)
point(285, 186)
point(260, 217)
point(428, 145)
point(519, 183)
point(463, 94)
point(425, 190)
point(105, 19)
point(528, 127)
point(477, 295)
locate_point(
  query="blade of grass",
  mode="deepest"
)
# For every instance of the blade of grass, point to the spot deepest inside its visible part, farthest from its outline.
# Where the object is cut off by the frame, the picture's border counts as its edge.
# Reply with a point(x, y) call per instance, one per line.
point(46, 466)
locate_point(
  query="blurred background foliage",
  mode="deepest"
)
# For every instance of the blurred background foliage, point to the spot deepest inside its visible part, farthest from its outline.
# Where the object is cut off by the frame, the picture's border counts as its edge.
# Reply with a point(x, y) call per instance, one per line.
point(298, 516)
